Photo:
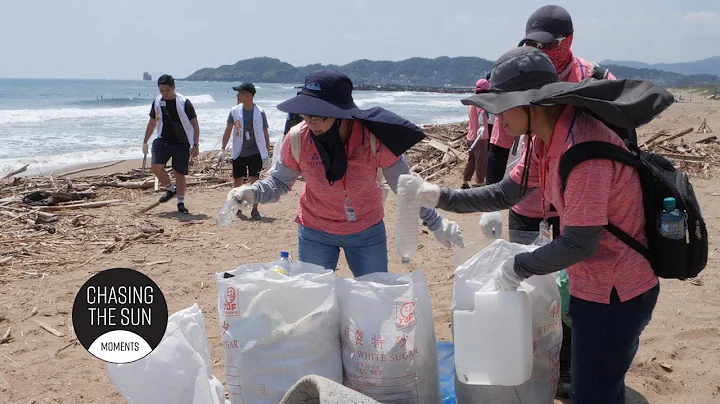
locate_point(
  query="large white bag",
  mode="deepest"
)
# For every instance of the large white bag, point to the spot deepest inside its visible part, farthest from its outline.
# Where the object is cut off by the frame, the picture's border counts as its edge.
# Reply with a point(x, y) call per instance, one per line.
point(388, 338)
point(471, 277)
point(178, 371)
point(276, 329)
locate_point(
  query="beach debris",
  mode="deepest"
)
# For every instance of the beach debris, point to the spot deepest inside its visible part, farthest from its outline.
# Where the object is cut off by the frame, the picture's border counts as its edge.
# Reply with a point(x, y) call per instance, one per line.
point(704, 128)
point(48, 328)
point(667, 367)
point(700, 158)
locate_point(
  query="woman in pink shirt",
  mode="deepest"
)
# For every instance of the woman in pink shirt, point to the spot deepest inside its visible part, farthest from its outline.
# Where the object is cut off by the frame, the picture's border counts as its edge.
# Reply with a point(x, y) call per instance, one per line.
point(477, 140)
point(613, 288)
point(338, 149)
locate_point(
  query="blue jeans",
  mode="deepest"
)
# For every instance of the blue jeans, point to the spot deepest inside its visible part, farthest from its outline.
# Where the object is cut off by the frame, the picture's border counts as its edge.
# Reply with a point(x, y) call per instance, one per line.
point(365, 252)
point(605, 339)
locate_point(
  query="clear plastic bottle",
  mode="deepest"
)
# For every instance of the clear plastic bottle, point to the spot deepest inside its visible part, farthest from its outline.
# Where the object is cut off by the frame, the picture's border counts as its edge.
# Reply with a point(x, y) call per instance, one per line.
point(228, 211)
point(407, 221)
point(672, 221)
point(282, 265)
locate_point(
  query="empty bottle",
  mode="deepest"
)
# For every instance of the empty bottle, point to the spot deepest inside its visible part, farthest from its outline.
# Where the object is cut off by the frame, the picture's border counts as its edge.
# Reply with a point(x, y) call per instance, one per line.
point(407, 221)
point(227, 212)
point(672, 221)
point(282, 265)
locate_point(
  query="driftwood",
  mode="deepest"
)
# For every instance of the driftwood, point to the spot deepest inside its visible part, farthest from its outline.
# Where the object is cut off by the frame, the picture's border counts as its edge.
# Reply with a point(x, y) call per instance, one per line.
point(681, 134)
point(48, 328)
point(81, 205)
point(707, 139)
point(88, 169)
point(13, 172)
point(654, 138)
point(681, 157)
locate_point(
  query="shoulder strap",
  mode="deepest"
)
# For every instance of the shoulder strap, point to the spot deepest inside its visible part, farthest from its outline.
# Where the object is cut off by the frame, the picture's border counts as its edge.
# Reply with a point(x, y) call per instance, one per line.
point(605, 151)
point(373, 144)
point(295, 142)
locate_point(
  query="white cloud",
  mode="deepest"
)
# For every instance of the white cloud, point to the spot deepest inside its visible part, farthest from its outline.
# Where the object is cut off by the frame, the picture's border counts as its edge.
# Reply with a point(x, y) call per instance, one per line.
point(700, 15)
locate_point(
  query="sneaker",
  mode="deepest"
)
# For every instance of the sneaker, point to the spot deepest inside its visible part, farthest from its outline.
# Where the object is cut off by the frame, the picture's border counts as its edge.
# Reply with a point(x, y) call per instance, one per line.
point(563, 388)
point(465, 186)
point(255, 215)
point(182, 208)
point(168, 195)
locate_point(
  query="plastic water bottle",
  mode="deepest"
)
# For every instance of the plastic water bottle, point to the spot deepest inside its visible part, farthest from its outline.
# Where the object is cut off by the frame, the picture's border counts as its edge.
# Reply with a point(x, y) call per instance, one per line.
point(407, 221)
point(227, 212)
point(672, 221)
point(282, 265)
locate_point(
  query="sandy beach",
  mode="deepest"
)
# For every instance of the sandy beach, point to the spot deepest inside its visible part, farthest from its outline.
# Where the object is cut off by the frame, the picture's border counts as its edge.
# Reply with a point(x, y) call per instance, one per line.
point(678, 360)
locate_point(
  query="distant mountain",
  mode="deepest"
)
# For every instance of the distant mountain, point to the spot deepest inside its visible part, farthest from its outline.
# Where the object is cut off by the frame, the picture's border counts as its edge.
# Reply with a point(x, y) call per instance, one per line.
point(422, 72)
point(442, 71)
point(705, 66)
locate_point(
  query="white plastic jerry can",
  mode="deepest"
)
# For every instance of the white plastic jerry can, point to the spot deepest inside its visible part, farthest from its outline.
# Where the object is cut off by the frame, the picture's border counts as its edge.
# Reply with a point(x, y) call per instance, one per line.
point(493, 343)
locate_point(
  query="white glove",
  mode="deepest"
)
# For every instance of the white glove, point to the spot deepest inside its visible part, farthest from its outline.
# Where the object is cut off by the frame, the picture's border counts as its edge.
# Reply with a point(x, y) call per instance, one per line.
point(221, 156)
point(449, 234)
point(491, 224)
point(243, 194)
point(145, 148)
point(429, 194)
point(506, 279)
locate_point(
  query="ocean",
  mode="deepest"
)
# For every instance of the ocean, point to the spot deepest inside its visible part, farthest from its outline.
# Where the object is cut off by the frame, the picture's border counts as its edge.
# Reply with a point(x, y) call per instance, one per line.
point(51, 123)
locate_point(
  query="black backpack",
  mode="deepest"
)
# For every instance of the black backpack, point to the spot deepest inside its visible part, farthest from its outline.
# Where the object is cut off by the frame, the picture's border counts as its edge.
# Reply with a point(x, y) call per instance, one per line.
point(624, 105)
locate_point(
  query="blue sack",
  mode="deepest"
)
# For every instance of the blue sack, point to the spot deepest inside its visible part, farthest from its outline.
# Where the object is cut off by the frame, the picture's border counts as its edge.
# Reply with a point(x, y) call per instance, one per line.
point(446, 365)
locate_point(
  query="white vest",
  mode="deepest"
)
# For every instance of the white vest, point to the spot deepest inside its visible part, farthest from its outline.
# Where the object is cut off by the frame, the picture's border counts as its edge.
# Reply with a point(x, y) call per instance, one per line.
point(180, 102)
point(238, 137)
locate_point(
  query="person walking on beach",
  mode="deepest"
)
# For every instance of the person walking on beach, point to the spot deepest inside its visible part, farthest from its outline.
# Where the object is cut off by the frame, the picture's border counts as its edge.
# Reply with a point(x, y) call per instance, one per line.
point(178, 137)
point(250, 139)
point(338, 149)
point(549, 29)
point(477, 141)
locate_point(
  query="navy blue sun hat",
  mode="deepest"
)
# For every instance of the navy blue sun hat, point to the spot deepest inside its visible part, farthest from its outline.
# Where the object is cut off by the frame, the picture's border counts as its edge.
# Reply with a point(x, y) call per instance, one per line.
point(328, 93)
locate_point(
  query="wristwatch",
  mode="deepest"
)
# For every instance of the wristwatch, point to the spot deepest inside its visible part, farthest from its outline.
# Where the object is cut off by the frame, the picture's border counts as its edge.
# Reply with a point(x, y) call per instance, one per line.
point(195, 145)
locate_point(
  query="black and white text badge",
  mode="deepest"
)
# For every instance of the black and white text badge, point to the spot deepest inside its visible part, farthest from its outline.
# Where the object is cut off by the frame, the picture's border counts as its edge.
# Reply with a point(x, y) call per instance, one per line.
point(120, 315)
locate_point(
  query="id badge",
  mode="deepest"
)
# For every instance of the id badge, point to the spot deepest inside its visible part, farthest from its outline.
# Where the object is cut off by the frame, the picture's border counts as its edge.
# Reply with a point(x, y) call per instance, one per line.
point(546, 233)
point(350, 210)
point(163, 103)
point(247, 135)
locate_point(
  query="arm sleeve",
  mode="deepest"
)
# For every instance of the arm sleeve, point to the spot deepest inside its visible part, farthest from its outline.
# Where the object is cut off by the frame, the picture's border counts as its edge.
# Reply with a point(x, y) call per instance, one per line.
point(190, 110)
point(152, 110)
point(281, 181)
point(577, 243)
point(230, 119)
point(264, 118)
point(496, 164)
point(430, 217)
point(489, 198)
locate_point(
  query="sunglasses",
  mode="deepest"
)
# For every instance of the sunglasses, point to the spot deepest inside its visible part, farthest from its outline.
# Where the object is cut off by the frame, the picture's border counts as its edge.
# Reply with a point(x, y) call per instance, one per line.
point(313, 118)
point(547, 46)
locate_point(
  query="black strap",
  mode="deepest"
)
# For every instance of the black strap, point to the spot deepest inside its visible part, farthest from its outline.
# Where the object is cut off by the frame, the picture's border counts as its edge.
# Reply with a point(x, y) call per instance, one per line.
point(605, 151)
point(599, 72)
point(594, 151)
point(629, 241)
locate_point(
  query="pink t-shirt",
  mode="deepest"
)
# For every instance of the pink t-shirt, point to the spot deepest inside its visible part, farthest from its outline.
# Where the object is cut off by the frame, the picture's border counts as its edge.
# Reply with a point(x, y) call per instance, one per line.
point(597, 192)
point(474, 123)
point(531, 206)
point(322, 206)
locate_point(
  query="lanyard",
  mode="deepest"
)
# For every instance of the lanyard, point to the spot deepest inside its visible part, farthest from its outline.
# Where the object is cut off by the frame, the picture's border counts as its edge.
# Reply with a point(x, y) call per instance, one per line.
point(343, 180)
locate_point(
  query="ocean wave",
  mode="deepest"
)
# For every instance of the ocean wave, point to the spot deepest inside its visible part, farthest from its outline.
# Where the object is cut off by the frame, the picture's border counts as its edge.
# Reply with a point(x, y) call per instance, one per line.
point(15, 116)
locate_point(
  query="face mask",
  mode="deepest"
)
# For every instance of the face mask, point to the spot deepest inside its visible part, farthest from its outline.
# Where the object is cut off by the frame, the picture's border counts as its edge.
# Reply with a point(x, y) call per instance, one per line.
point(332, 152)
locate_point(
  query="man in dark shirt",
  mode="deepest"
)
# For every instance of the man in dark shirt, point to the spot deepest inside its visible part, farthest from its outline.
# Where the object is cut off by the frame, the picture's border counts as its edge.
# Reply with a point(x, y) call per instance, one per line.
point(178, 138)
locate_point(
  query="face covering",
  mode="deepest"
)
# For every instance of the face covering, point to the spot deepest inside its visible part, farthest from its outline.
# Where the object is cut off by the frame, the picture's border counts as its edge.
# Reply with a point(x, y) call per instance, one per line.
point(332, 152)
point(562, 56)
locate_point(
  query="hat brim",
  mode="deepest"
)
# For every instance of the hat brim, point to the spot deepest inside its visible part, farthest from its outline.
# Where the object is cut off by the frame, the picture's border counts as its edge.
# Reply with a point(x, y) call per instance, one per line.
point(538, 36)
point(308, 105)
point(497, 102)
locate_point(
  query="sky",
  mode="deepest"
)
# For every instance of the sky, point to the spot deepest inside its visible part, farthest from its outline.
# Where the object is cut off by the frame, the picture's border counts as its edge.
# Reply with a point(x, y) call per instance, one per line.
point(121, 39)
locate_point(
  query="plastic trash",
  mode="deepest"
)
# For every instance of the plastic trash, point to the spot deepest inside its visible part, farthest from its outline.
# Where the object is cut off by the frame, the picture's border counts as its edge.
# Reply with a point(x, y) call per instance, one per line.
point(407, 224)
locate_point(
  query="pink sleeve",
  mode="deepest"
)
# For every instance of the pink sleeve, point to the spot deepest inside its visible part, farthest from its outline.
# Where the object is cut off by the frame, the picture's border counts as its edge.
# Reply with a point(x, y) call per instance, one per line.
point(286, 154)
point(610, 76)
point(500, 137)
point(473, 126)
point(385, 157)
point(587, 193)
point(516, 173)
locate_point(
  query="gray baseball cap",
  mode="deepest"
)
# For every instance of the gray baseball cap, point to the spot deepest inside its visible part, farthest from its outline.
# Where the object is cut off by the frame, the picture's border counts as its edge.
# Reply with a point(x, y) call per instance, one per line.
point(518, 77)
point(547, 24)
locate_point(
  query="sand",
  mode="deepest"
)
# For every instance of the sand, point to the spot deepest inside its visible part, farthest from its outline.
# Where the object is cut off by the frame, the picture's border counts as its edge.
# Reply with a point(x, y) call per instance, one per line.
point(684, 332)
